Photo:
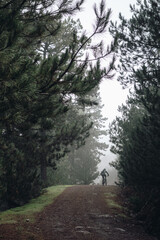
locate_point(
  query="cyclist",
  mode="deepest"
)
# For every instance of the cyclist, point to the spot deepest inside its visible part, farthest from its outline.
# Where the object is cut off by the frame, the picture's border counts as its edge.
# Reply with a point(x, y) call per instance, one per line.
point(104, 175)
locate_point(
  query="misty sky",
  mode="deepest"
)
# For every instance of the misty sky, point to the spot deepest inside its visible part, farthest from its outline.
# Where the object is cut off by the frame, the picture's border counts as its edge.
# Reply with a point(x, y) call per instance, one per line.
point(111, 92)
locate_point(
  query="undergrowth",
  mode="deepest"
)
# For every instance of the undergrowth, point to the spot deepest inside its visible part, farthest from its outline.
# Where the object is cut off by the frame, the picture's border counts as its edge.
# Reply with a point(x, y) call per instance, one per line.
point(114, 205)
point(35, 205)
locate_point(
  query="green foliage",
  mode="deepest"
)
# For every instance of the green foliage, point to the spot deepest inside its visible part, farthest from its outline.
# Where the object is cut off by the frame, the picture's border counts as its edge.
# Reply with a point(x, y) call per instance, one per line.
point(35, 205)
point(17, 158)
point(136, 135)
point(80, 165)
point(41, 76)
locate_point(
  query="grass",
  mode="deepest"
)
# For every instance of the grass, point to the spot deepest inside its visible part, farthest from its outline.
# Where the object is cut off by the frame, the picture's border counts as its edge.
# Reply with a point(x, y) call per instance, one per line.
point(114, 205)
point(34, 206)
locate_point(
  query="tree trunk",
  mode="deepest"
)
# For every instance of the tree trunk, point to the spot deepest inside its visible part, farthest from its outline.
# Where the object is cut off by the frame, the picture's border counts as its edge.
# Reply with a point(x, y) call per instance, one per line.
point(43, 170)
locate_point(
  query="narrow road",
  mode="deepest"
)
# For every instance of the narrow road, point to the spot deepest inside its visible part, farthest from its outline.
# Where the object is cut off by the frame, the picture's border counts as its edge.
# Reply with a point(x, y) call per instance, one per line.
point(81, 212)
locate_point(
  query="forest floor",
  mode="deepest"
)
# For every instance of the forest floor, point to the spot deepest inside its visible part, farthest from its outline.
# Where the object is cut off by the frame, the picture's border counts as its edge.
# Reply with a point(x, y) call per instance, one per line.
point(80, 212)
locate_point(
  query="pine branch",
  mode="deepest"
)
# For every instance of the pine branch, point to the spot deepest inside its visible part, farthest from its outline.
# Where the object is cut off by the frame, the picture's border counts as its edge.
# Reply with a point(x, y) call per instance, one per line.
point(102, 21)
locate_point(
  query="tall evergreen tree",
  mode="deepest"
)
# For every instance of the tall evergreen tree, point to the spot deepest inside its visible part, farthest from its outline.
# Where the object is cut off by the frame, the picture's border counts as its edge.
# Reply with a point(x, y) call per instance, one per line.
point(87, 158)
point(82, 160)
point(35, 91)
point(139, 161)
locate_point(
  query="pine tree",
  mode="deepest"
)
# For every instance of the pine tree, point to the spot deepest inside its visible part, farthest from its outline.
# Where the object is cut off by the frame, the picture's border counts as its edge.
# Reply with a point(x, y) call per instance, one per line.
point(87, 157)
point(83, 159)
point(138, 164)
point(35, 91)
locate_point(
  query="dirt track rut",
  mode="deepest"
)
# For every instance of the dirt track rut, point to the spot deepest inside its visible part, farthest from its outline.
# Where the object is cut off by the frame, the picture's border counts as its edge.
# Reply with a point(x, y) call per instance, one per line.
point(81, 212)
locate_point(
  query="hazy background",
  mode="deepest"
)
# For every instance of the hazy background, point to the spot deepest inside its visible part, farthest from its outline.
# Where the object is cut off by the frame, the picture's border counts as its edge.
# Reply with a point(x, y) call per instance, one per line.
point(111, 91)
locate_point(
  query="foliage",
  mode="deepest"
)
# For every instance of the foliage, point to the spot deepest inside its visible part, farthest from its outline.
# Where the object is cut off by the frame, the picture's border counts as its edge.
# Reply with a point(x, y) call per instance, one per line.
point(80, 165)
point(136, 135)
point(37, 91)
point(35, 205)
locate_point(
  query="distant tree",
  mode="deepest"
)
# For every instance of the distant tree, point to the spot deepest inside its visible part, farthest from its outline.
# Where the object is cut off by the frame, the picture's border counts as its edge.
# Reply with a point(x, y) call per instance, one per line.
point(83, 160)
point(87, 157)
point(58, 43)
point(67, 129)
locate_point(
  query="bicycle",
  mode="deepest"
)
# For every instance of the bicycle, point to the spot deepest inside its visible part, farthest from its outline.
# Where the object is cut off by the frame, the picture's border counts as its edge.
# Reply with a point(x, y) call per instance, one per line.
point(104, 175)
point(104, 181)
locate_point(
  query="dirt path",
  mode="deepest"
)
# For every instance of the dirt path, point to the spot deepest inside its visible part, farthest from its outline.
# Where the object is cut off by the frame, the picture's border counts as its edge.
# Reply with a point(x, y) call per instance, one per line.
point(80, 212)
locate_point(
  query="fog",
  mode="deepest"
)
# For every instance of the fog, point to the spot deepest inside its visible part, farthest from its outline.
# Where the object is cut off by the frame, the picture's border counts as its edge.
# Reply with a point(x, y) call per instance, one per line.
point(111, 91)
point(112, 96)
